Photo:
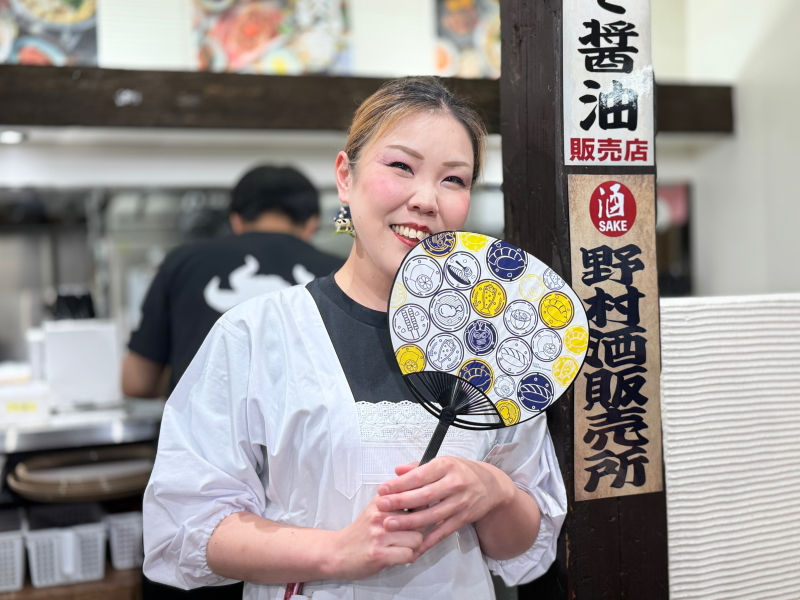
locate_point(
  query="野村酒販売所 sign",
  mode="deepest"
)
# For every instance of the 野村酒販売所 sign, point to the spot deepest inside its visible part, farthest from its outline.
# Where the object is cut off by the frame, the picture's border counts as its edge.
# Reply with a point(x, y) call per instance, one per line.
point(617, 406)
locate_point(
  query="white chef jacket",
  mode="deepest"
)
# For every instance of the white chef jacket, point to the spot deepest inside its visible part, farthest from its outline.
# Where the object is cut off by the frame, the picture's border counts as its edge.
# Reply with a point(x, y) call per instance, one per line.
point(263, 421)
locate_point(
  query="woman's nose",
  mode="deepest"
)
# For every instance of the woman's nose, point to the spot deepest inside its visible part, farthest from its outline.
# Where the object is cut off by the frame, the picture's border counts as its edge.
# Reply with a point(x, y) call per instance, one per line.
point(425, 201)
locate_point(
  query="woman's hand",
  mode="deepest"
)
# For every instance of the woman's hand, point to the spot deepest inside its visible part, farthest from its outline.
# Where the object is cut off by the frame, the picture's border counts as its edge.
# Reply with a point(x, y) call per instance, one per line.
point(366, 547)
point(464, 491)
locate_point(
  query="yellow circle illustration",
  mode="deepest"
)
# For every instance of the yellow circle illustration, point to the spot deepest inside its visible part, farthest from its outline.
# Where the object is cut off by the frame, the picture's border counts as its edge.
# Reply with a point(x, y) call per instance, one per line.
point(509, 410)
point(556, 310)
point(411, 359)
point(399, 295)
point(472, 241)
point(531, 287)
point(564, 370)
point(488, 298)
point(576, 339)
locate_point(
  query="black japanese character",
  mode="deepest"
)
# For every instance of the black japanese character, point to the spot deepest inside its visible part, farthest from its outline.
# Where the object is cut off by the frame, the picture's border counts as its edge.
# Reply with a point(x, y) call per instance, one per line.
point(617, 465)
point(618, 109)
point(624, 347)
point(611, 7)
point(627, 263)
point(602, 303)
point(614, 58)
point(599, 263)
point(620, 423)
point(628, 384)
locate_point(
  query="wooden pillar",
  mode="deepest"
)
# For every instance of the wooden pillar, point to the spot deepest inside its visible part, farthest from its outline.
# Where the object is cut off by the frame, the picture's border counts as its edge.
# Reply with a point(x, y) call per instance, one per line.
point(610, 547)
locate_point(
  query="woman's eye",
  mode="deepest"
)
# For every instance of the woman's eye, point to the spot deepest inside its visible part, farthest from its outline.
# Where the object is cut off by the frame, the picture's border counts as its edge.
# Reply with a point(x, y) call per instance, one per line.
point(457, 180)
point(401, 165)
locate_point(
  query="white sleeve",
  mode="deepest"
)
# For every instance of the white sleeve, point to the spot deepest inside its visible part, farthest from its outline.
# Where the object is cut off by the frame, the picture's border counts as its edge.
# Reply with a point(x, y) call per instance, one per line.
point(533, 467)
point(209, 463)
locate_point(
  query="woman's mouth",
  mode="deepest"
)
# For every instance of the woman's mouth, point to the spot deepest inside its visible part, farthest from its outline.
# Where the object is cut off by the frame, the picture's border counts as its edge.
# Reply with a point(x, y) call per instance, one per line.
point(409, 235)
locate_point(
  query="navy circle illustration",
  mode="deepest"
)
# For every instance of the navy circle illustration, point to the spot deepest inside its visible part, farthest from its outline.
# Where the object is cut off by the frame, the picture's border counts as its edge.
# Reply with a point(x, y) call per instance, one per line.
point(521, 317)
point(450, 310)
point(422, 276)
point(506, 261)
point(445, 352)
point(553, 280)
point(439, 245)
point(462, 270)
point(546, 344)
point(535, 392)
point(480, 337)
point(478, 373)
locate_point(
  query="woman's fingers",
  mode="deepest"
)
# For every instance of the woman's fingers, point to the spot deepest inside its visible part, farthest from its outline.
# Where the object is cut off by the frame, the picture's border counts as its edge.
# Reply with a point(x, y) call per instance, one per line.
point(405, 539)
point(443, 530)
point(415, 478)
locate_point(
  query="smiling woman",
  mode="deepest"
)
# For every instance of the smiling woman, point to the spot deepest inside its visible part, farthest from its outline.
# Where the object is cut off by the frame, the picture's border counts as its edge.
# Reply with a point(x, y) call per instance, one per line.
point(286, 450)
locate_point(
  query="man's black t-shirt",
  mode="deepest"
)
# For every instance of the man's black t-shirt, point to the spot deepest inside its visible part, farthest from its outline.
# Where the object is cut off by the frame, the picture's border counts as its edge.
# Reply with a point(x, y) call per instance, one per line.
point(363, 346)
point(198, 282)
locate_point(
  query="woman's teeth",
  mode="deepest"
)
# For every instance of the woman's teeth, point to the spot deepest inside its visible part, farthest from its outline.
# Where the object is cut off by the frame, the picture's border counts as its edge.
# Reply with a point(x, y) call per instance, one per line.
point(410, 233)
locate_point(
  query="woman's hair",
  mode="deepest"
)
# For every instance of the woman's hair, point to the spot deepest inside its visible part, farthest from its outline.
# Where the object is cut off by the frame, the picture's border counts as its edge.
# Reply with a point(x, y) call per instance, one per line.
point(408, 96)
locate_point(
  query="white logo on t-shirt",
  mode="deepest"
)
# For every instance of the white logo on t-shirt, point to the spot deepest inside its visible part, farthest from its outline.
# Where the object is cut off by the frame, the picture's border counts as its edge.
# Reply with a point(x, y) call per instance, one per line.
point(246, 283)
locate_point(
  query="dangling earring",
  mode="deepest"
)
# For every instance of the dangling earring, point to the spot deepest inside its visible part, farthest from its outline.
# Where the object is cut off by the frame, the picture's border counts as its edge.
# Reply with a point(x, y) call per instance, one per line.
point(344, 222)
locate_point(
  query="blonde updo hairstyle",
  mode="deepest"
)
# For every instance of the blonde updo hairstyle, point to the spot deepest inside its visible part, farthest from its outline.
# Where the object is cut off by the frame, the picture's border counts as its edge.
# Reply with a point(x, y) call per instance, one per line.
point(404, 97)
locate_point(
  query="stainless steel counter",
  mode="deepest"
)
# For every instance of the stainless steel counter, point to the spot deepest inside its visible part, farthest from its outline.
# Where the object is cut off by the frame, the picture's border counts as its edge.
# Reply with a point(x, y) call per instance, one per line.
point(138, 421)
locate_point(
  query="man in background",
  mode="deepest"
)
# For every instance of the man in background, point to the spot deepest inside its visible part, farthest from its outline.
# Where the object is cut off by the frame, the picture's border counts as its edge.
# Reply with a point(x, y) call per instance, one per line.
point(274, 213)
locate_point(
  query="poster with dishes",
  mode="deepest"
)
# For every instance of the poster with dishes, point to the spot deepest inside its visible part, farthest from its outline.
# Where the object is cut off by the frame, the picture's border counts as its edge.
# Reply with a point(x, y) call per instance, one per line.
point(272, 37)
point(468, 43)
point(48, 32)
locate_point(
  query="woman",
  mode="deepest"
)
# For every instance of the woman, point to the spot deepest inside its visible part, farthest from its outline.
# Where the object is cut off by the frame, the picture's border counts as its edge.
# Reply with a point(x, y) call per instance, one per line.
point(286, 450)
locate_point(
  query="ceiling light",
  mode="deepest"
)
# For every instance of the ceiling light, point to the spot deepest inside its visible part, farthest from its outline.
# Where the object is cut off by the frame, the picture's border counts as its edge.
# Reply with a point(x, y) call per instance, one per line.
point(12, 137)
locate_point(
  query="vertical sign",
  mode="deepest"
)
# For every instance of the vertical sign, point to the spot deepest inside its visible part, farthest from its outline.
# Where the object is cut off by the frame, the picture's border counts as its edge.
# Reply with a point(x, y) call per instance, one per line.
point(608, 83)
point(617, 404)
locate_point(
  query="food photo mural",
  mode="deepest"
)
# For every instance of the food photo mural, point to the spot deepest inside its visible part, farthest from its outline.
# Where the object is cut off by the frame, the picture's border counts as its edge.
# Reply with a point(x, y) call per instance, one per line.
point(48, 32)
point(486, 311)
point(272, 37)
point(468, 42)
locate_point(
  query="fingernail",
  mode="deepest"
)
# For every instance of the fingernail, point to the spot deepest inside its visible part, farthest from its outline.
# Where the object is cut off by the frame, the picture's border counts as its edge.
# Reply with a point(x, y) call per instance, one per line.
point(384, 504)
point(392, 525)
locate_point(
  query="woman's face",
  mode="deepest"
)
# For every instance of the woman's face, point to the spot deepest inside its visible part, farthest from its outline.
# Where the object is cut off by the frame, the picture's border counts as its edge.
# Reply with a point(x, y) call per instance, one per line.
point(411, 182)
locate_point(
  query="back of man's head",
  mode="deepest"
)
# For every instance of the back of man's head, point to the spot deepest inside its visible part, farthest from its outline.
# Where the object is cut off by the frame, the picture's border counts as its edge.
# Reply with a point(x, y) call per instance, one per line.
point(281, 190)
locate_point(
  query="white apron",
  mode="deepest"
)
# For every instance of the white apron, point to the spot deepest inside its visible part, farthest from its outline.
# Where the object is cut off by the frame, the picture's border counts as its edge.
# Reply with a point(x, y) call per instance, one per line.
point(263, 420)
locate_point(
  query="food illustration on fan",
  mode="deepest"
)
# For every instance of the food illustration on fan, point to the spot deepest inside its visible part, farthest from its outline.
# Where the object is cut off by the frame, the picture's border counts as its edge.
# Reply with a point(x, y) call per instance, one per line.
point(445, 352)
point(410, 358)
point(553, 280)
point(399, 295)
point(506, 261)
point(439, 245)
point(488, 298)
point(520, 317)
point(556, 310)
point(411, 323)
point(422, 276)
point(462, 270)
point(478, 373)
point(481, 337)
point(509, 411)
point(514, 356)
point(531, 287)
point(449, 310)
point(504, 386)
point(546, 345)
point(474, 242)
point(576, 339)
point(564, 370)
point(535, 392)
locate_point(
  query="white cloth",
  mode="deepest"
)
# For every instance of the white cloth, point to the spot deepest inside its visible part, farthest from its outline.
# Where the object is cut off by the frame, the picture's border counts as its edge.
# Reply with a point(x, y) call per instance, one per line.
point(263, 421)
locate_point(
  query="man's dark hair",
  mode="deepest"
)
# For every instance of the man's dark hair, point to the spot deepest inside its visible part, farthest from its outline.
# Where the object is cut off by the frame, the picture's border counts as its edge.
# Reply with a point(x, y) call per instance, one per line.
point(275, 189)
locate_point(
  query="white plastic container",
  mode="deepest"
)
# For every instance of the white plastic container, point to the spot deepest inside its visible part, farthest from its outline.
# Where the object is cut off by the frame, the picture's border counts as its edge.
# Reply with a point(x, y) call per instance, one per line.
point(12, 551)
point(70, 554)
point(125, 540)
point(24, 403)
point(82, 363)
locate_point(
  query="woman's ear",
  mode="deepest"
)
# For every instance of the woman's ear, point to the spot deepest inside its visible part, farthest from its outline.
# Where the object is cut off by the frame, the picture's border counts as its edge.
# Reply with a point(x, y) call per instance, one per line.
point(344, 177)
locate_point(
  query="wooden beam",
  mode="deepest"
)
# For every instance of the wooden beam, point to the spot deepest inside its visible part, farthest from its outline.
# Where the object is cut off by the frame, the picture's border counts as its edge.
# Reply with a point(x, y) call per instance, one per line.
point(92, 97)
point(59, 96)
point(613, 547)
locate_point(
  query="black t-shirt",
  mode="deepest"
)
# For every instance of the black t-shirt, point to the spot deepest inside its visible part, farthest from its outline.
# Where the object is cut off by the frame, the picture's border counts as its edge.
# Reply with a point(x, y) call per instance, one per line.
point(198, 282)
point(361, 339)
